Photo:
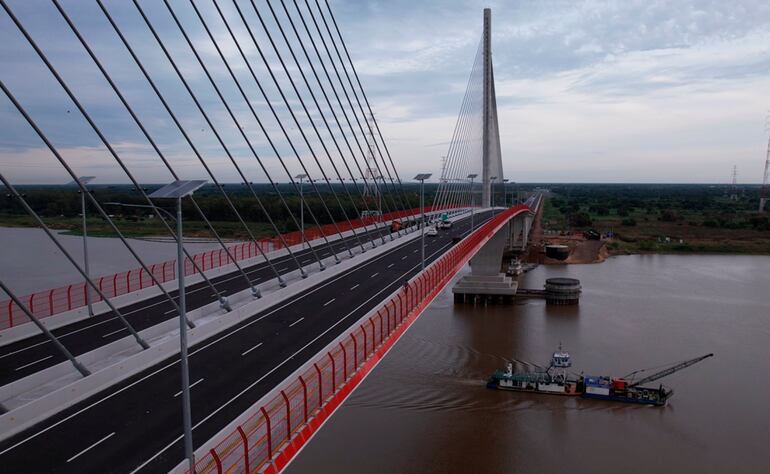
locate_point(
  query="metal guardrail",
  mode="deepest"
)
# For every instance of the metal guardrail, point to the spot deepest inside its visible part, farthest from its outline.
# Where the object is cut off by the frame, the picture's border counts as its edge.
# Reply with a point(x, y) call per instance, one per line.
point(276, 430)
point(53, 301)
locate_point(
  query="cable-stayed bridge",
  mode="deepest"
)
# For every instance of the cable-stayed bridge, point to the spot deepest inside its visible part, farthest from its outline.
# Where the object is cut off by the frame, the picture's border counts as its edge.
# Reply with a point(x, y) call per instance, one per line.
point(282, 328)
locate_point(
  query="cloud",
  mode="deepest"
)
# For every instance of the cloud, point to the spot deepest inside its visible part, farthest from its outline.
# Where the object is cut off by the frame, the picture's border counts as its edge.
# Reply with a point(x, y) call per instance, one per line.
point(606, 90)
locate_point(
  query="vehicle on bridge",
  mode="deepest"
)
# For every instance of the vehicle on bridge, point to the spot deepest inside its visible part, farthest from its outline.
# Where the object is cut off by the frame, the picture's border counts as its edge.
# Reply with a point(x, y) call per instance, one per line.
point(431, 231)
point(556, 381)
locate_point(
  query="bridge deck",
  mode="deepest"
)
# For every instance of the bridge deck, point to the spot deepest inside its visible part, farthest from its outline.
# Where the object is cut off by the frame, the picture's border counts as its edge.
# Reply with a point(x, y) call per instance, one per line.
point(139, 419)
point(35, 353)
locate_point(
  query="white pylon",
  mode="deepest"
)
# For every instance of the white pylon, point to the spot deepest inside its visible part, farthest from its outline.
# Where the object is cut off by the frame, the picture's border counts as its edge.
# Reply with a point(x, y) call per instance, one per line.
point(492, 164)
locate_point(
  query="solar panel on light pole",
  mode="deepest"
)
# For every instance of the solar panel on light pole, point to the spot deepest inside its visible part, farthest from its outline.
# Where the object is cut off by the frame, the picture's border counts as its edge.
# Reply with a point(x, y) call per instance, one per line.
point(178, 189)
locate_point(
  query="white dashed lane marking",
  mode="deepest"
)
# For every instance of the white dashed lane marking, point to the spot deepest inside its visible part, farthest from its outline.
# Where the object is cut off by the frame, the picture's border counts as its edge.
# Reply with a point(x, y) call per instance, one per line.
point(191, 386)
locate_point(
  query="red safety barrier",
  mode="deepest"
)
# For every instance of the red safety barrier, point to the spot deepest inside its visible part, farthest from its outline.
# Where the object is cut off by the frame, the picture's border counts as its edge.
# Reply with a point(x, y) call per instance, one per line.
point(47, 303)
point(275, 431)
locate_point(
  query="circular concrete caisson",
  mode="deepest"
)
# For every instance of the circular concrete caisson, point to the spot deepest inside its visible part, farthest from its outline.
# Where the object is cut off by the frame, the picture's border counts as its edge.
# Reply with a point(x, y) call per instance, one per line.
point(562, 291)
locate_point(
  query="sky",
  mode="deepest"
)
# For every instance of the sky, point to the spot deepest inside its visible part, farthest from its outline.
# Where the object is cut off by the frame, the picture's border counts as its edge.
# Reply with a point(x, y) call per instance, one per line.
point(591, 91)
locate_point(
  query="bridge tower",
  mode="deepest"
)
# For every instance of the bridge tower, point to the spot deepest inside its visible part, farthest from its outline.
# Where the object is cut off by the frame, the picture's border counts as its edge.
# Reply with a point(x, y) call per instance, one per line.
point(492, 164)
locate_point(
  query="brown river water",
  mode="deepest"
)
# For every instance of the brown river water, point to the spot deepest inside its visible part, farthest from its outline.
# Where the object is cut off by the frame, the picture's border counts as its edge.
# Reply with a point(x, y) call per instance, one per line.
point(425, 408)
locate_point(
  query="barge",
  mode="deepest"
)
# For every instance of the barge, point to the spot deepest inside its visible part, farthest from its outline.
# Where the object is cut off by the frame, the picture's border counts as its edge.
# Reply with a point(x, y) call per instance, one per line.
point(556, 380)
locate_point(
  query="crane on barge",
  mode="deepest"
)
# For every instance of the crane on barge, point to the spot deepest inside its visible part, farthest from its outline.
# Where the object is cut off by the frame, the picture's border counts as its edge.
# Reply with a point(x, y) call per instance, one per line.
point(665, 372)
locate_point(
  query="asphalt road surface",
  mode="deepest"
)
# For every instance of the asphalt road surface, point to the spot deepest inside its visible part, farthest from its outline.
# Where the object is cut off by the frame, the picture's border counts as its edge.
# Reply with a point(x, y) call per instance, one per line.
point(136, 425)
point(25, 357)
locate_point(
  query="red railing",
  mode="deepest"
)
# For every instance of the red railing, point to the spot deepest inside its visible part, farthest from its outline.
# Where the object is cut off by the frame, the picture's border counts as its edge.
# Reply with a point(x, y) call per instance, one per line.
point(58, 300)
point(276, 430)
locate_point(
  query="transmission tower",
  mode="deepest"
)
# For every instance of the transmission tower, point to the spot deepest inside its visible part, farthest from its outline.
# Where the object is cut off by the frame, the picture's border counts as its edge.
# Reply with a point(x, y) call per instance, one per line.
point(371, 189)
point(763, 191)
point(443, 170)
point(734, 185)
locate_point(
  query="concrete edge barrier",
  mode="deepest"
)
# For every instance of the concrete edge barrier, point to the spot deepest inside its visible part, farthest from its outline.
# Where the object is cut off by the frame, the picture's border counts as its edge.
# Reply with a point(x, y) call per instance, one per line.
point(37, 410)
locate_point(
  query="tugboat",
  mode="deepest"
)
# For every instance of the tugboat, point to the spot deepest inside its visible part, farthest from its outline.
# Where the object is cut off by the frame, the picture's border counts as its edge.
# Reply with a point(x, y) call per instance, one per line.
point(555, 380)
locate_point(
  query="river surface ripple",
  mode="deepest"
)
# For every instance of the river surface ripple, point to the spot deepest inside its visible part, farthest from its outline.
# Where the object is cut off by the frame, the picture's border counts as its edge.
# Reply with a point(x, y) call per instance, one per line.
point(425, 408)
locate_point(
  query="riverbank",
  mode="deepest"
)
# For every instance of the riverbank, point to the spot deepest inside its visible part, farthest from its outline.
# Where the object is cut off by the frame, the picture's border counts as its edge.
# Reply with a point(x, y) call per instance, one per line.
point(30, 262)
point(144, 227)
point(645, 219)
point(583, 251)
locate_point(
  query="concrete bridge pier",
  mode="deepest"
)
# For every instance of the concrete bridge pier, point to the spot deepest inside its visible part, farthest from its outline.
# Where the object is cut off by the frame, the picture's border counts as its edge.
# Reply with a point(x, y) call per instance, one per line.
point(519, 232)
point(486, 283)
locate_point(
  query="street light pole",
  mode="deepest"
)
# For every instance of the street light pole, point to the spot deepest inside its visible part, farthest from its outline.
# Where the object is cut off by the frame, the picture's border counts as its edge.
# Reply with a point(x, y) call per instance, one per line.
point(84, 180)
point(492, 192)
point(422, 232)
point(301, 178)
point(178, 190)
point(86, 267)
point(505, 193)
point(186, 411)
point(473, 198)
point(516, 189)
point(421, 178)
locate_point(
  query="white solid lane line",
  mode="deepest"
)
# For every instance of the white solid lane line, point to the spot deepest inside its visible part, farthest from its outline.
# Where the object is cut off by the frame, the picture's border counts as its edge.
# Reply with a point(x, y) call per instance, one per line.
point(90, 326)
point(25, 348)
point(329, 302)
point(354, 287)
point(374, 275)
point(92, 446)
point(191, 386)
point(171, 311)
point(33, 363)
point(297, 321)
point(249, 350)
point(114, 332)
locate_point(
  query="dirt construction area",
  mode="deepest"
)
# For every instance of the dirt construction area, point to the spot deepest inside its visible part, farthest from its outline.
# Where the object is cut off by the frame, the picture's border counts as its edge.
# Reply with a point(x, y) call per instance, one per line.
point(581, 249)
